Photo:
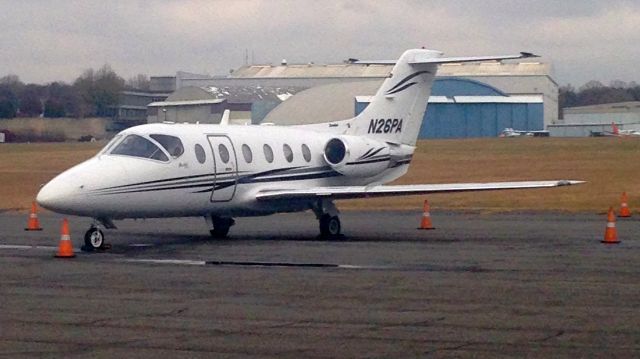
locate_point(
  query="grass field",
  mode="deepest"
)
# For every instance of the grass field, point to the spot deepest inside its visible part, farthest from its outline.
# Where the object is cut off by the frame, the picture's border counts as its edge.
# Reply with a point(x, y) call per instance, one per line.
point(608, 164)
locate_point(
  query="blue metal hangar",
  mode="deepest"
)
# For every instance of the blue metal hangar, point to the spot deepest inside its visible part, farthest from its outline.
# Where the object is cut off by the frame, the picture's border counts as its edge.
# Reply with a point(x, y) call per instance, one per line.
point(460, 108)
point(467, 100)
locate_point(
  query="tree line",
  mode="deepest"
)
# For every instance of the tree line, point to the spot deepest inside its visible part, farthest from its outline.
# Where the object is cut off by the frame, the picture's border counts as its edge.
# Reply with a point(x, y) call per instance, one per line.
point(95, 93)
point(595, 93)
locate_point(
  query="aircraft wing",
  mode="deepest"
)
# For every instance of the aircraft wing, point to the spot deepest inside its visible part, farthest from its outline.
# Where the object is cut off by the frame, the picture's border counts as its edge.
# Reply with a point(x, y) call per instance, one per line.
point(346, 192)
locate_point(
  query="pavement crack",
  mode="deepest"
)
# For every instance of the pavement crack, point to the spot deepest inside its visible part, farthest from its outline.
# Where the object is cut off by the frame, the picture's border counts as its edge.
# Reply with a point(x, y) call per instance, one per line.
point(457, 347)
point(559, 333)
point(165, 314)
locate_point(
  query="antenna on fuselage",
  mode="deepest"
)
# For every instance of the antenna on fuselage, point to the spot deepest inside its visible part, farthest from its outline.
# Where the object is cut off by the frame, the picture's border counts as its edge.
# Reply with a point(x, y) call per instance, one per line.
point(225, 117)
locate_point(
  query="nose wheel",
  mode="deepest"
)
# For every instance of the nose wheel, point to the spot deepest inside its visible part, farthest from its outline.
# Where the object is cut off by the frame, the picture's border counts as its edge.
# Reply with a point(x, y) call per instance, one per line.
point(93, 239)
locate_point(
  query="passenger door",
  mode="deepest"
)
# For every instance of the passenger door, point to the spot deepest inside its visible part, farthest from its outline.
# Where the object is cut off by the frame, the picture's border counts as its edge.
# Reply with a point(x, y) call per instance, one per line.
point(225, 166)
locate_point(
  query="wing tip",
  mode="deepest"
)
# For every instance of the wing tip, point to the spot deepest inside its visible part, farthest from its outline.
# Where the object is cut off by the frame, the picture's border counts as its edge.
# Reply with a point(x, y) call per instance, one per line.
point(569, 182)
point(526, 54)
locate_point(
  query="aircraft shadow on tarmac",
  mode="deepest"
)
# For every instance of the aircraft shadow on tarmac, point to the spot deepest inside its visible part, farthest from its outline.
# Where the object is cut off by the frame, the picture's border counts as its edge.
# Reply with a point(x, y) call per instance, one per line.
point(137, 242)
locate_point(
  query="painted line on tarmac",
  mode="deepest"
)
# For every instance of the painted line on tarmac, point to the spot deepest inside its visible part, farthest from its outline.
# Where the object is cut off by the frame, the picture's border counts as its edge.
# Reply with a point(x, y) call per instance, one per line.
point(246, 263)
point(25, 247)
point(219, 263)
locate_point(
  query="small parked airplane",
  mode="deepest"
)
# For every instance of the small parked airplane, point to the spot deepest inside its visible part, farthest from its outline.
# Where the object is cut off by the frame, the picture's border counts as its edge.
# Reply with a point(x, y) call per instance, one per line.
point(510, 132)
point(225, 171)
point(615, 131)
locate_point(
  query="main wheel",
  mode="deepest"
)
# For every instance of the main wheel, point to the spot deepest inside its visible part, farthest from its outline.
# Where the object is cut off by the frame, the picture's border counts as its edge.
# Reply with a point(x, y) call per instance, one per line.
point(221, 227)
point(329, 226)
point(94, 239)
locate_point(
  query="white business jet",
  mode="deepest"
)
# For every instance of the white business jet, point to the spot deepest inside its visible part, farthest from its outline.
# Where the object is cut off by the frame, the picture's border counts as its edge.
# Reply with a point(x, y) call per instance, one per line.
point(224, 171)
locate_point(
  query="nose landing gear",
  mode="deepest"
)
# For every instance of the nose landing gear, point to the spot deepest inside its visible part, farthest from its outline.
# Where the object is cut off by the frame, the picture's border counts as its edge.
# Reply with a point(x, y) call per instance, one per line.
point(94, 237)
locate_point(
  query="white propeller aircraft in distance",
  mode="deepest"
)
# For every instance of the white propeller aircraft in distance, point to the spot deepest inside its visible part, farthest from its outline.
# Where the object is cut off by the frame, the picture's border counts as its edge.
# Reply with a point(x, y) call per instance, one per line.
point(224, 171)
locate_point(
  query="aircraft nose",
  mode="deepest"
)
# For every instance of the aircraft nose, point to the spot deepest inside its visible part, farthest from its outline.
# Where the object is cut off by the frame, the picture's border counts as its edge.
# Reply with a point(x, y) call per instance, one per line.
point(66, 193)
point(55, 196)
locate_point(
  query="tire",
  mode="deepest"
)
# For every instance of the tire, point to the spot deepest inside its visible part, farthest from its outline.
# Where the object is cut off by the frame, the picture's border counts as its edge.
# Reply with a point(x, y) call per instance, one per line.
point(221, 227)
point(93, 239)
point(330, 227)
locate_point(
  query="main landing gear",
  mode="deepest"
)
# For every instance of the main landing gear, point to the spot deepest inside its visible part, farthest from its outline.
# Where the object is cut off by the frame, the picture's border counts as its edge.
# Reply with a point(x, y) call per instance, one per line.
point(219, 226)
point(94, 237)
point(327, 215)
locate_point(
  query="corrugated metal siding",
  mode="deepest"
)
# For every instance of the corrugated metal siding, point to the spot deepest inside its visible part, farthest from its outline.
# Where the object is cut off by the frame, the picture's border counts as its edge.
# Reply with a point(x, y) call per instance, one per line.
point(456, 120)
point(460, 108)
point(461, 120)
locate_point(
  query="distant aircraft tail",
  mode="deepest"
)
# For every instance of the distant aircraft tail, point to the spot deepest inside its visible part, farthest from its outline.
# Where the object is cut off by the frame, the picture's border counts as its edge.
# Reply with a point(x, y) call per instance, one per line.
point(396, 111)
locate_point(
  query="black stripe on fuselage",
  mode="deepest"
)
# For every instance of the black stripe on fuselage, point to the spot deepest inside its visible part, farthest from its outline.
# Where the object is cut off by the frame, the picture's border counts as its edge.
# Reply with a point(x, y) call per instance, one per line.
point(299, 177)
point(157, 181)
point(294, 174)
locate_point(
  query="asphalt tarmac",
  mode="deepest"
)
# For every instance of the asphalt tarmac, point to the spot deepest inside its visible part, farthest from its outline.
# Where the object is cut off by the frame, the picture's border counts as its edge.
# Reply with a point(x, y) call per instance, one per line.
point(517, 285)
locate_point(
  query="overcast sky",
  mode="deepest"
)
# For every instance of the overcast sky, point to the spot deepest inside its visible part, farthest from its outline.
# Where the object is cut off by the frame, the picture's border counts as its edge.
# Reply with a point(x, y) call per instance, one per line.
point(44, 41)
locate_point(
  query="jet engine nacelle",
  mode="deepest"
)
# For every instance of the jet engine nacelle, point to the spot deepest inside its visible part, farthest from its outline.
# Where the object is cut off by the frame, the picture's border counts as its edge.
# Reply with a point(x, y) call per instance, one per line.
point(356, 156)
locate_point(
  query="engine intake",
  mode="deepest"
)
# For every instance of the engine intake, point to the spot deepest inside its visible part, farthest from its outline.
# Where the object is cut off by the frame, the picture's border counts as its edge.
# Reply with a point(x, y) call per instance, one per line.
point(335, 151)
point(356, 156)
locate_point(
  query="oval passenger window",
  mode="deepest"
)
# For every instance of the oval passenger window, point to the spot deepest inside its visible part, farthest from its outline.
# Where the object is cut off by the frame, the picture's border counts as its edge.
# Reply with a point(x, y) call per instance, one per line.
point(268, 153)
point(288, 154)
point(224, 153)
point(306, 153)
point(246, 152)
point(200, 155)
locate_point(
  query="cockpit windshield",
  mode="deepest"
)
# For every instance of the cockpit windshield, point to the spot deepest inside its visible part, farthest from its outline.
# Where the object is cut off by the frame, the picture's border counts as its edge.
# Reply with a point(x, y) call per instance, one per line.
point(110, 144)
point(172, 144)
point(138, 146)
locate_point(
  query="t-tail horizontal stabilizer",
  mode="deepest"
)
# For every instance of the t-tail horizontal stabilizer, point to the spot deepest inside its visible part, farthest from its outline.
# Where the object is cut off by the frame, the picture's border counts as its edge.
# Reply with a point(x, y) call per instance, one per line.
point(419, 59)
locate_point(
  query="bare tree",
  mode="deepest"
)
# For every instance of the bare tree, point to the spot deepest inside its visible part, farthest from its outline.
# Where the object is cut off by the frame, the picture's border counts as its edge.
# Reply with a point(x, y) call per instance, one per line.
point(139, 82)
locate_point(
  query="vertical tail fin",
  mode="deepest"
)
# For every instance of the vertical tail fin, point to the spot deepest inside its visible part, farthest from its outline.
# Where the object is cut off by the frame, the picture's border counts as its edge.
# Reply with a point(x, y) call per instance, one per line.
point(614, 129)
point(396, 112)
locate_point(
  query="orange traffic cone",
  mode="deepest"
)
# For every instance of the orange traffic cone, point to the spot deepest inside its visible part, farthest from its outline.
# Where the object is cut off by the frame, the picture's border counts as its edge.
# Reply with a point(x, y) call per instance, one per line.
point(65, 247)
point(426, 217)
point(611, 234)
point(624, 207)
point(33, 224)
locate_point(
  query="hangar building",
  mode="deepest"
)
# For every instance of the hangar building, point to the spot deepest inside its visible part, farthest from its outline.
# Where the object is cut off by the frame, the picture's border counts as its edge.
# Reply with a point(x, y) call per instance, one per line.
point(597, 119)
point(468, 100)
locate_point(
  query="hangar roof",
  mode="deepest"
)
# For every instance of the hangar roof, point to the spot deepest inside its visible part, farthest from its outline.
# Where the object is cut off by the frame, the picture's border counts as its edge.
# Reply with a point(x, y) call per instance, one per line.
point(185, 103)
point(341, 97)
point(234, 94)
point(618, 107)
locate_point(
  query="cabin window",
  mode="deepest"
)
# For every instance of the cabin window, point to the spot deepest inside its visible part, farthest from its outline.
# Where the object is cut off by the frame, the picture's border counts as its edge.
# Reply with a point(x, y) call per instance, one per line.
point(224, 153)
point(288, 154)
point(246, 153)
point(172, 144)
point(268, 153)
point(200, 155)
point(306, 153)
point(138, 146)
